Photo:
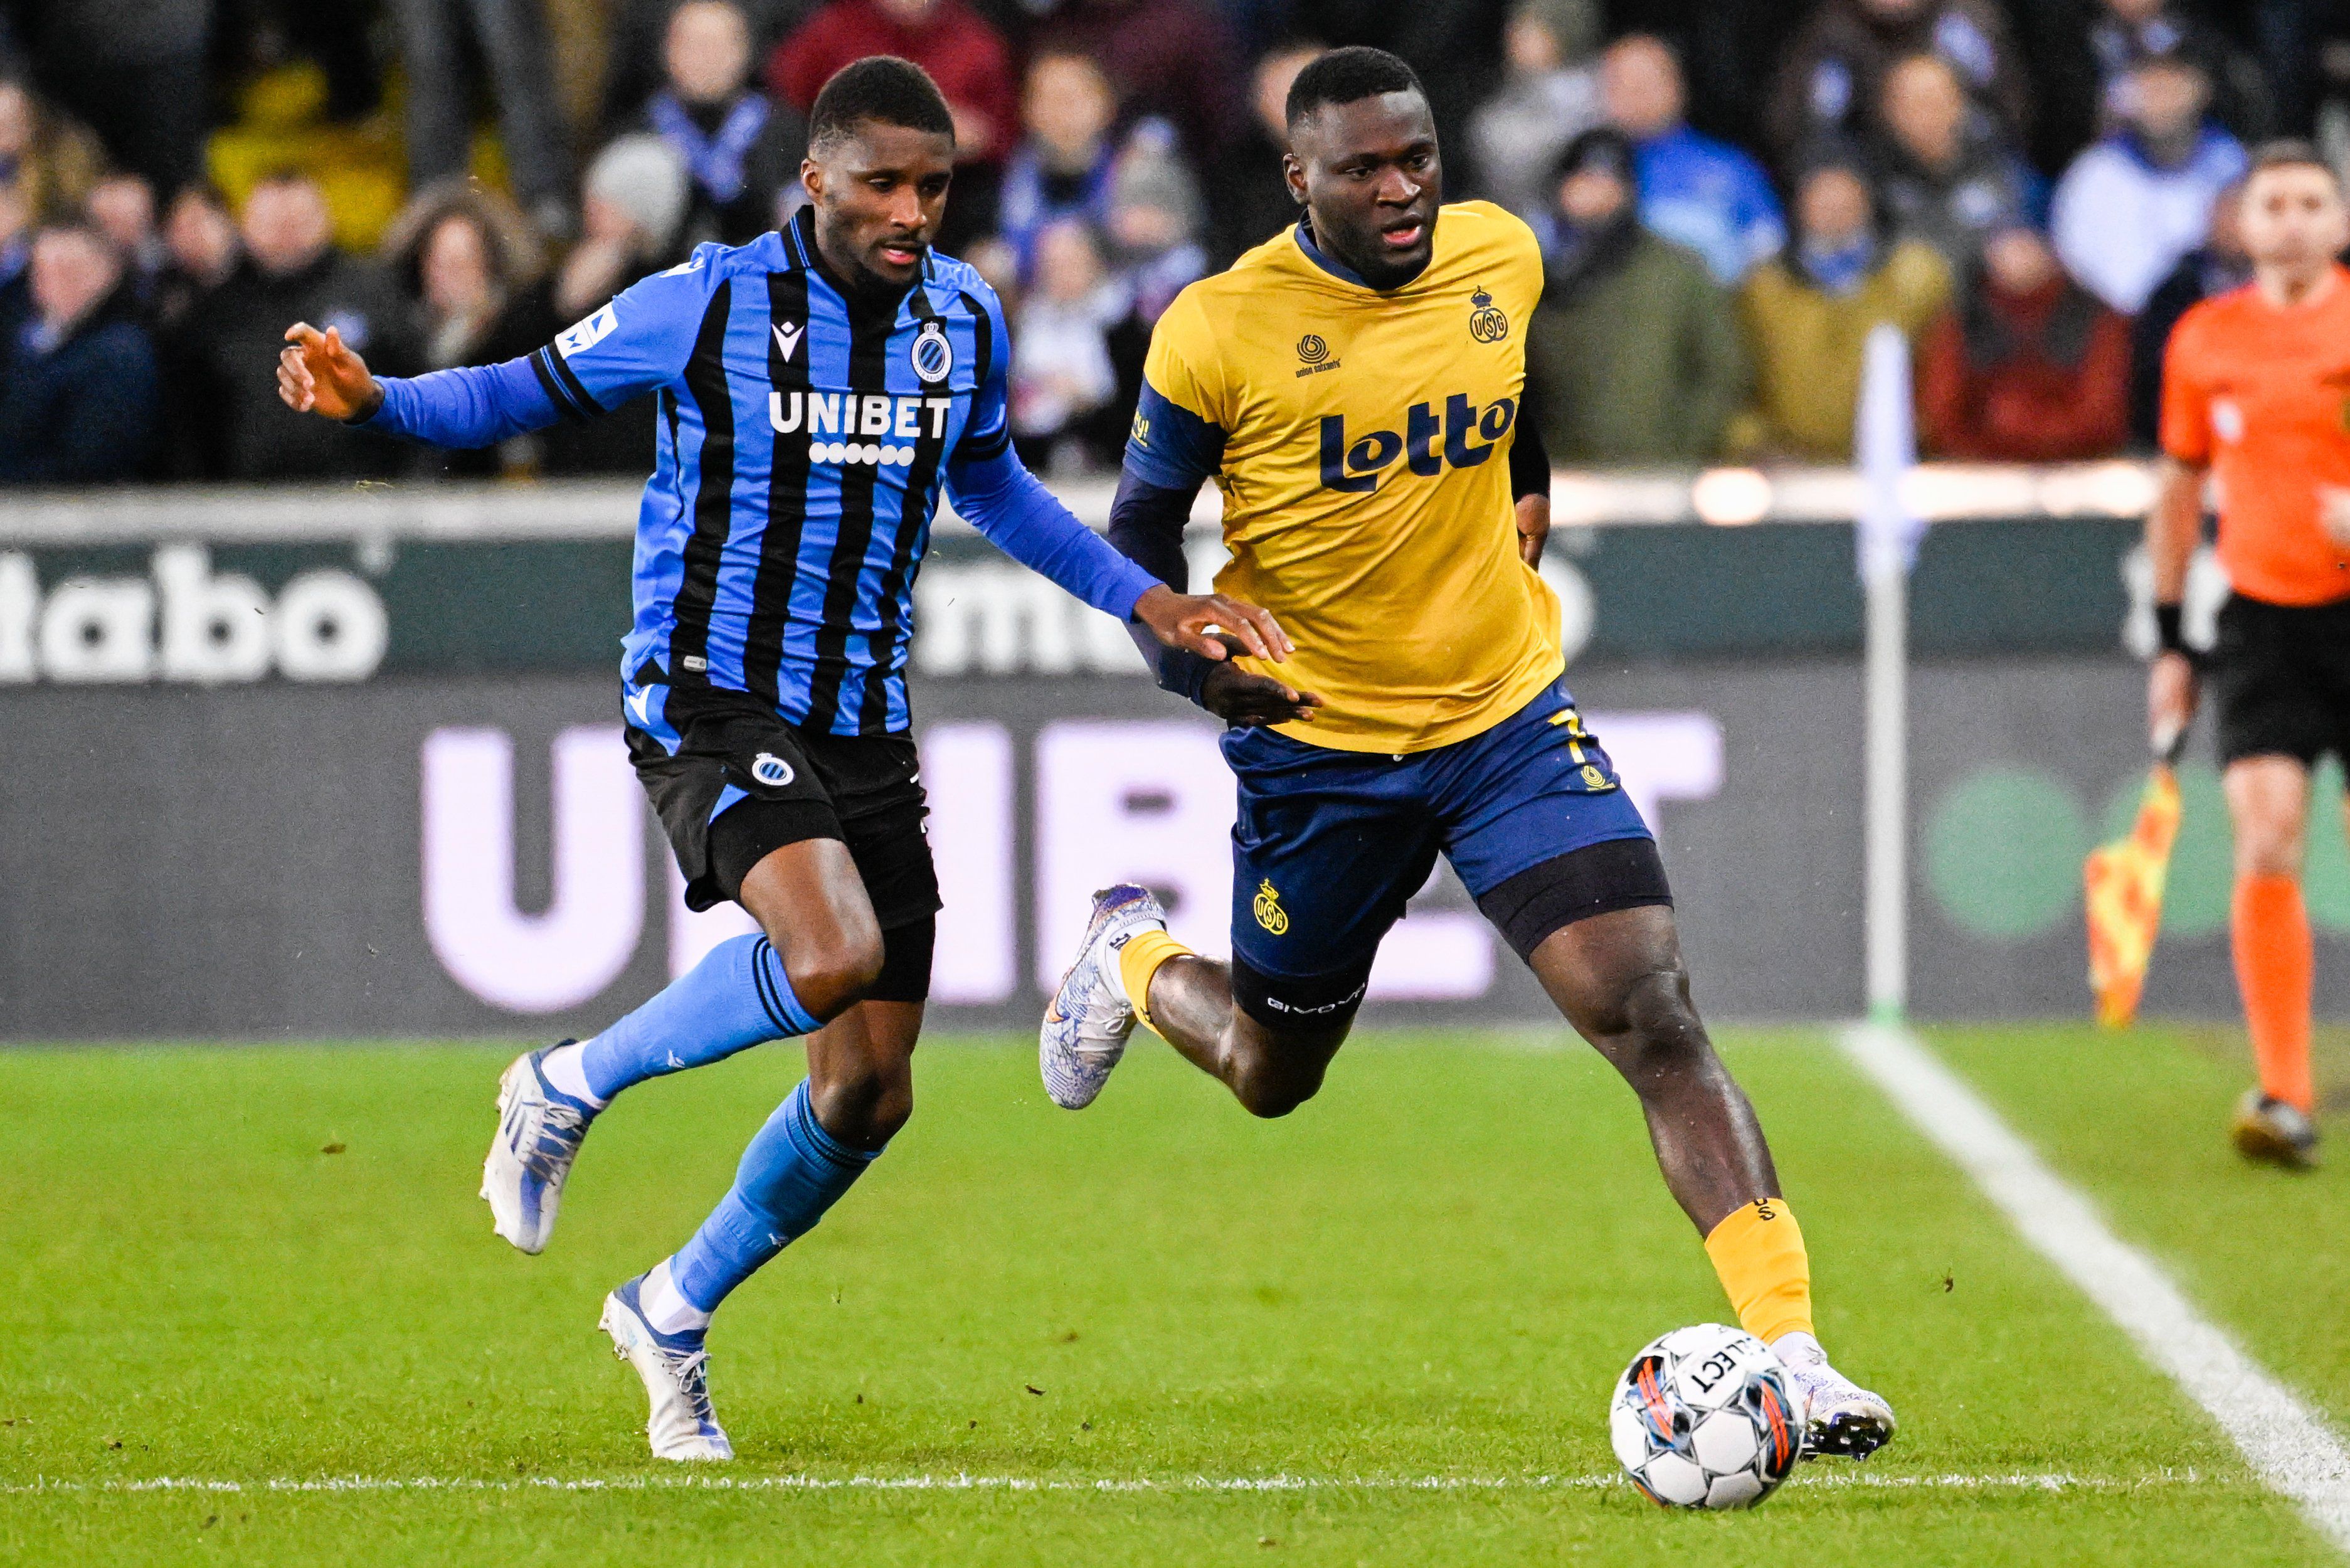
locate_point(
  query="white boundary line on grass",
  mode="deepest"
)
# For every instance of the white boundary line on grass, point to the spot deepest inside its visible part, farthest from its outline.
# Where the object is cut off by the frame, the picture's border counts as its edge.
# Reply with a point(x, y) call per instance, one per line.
point(1842, 1480)
point(2289, 1446)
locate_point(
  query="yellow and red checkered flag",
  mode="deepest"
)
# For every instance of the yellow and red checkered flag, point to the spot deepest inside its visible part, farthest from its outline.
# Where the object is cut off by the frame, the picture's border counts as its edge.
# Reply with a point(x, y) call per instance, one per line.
point(2124, 881)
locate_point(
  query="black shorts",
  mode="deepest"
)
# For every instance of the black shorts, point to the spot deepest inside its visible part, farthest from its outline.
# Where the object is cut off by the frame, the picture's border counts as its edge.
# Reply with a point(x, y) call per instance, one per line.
point(732, 781)
point(2280, 680)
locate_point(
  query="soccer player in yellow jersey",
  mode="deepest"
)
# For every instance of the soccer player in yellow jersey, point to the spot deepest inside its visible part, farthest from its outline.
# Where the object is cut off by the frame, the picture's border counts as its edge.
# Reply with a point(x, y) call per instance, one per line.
point(1353, 386)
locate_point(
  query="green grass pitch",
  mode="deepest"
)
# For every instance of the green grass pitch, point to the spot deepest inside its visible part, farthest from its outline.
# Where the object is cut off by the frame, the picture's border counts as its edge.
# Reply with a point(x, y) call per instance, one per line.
point(1407, 1303)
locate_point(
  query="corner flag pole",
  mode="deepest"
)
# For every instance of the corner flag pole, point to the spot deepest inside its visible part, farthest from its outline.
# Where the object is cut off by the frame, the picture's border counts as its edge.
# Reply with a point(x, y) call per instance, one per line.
point(1886, 540)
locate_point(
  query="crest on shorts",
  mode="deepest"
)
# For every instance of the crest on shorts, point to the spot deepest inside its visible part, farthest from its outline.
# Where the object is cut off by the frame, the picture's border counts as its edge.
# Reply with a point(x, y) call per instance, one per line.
point(1486, 322)
point(1268, 910)
point(772, 769)
point(931, 354)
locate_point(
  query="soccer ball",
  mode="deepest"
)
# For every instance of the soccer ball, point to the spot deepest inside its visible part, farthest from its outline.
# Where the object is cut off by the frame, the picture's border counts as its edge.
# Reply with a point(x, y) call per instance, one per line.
point(1702, 1418)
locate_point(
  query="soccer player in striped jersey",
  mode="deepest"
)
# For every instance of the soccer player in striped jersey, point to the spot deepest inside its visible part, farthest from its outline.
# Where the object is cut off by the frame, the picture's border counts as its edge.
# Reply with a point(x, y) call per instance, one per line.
point(814, 391)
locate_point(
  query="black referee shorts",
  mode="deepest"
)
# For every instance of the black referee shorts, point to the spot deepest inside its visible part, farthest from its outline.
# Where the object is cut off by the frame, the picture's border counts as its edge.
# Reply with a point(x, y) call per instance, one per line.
point(2280, 680)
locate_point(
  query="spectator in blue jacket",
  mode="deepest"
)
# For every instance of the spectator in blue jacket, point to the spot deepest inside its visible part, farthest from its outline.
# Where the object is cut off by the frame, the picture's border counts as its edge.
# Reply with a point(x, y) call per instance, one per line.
point(79, 398)
point(1694, 191)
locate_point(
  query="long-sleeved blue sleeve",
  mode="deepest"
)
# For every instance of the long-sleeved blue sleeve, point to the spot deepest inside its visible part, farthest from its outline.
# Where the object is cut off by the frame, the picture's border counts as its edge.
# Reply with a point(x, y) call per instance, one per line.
point(998, 496)
point(474, 405)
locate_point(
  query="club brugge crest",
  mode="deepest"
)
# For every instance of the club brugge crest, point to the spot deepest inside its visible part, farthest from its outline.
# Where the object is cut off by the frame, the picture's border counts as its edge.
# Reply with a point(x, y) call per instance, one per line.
point(772, 769)
point(1486, 322)
point(932, 354)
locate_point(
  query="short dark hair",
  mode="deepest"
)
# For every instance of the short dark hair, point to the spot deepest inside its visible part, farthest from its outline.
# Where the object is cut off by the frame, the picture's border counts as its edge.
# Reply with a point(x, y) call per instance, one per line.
point(1346, 76)
point(2290, 152)
point(881, 88)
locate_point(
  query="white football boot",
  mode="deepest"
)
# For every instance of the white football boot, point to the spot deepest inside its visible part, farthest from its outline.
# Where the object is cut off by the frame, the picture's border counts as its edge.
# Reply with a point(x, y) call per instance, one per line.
point(540, 1129)
point(1840, 1417)
point(676, 1373)
point(1087, 1027)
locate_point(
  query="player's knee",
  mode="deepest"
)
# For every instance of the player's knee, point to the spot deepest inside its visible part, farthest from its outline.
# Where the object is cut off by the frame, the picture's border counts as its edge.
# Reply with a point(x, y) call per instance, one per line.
point(1269, 1084)
point(1661, 1033)
point(868, 1104)
point(831, 971)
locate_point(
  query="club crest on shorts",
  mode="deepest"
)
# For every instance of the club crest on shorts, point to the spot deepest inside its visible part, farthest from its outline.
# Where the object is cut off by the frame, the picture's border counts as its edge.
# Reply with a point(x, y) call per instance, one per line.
point(772, 769)
point(1268, 910)
point(931, 354)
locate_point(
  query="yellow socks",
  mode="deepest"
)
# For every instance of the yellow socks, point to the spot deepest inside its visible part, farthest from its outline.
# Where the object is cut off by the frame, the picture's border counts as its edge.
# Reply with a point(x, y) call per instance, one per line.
point(1758, 1251)
point(1137, 962)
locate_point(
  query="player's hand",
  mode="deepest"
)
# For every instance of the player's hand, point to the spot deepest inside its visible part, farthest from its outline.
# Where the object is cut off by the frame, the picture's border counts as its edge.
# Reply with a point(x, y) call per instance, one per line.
point(1212, 625)
point(319, 374)
point(1238, 697)
point(1533, 527)
point(2334, 514)
point(2172, 691)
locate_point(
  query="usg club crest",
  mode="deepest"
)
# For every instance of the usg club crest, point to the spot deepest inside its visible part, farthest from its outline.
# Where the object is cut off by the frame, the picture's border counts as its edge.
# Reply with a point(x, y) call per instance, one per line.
point(1486, 322)
point(771, 770)
point(931, 354)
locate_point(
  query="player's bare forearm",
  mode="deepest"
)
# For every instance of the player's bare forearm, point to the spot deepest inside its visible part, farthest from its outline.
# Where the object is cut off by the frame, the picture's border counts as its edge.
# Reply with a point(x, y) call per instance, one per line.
point(1533, 527)
point(2173, 528)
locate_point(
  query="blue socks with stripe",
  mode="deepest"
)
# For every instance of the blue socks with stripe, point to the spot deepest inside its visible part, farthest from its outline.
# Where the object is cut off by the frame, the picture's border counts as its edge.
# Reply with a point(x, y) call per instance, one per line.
point(737, 996)
point(793, 1172)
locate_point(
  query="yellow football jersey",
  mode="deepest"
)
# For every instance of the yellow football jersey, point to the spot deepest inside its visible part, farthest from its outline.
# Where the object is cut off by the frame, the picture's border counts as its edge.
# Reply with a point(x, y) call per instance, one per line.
point(1361, 440)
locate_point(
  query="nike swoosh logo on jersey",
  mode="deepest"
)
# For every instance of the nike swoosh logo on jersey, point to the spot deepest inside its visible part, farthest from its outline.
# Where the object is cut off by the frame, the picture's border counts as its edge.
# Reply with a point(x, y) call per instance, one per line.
point(788, 340)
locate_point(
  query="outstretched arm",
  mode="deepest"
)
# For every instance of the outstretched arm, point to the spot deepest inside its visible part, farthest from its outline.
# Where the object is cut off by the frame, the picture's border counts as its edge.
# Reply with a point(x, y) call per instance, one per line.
point(999, 496)
point(473, 405)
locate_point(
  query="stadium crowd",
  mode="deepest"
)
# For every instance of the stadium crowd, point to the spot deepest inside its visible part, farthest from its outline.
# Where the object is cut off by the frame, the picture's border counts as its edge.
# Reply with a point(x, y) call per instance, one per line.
point(2031, 190)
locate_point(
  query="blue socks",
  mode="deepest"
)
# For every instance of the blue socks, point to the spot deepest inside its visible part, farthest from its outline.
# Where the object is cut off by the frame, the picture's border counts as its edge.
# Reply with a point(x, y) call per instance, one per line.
point(793, 1172)
point(736, 997)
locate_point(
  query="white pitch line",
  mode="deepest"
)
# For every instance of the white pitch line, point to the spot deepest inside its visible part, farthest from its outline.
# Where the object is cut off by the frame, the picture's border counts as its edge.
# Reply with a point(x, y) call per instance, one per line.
point(1842, 1480)
point(2288, 1444)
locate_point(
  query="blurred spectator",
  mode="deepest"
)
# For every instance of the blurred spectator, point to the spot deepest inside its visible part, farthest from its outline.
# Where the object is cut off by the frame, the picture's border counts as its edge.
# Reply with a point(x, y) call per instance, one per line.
point(1951, 179)
point(440, 40)
point(1153, 230)
point(134, 72)
point(1068, 165)
point(1172, 59)
point(470, 268)
point(1064, 380)
point(78, 402)
point(2131, 205)
point(963, 53)
point(2128, 31)
point(2215, 266)
point(15, 264)
point(1829, 85)
point(2028, 368)
point(51, 161)
point(635, 31)
point(1250, 197)
point(1549, 96)
point(632, 207)
point(123, 206)
point(1633, 355)
point(1809, 315)
point(292, 272)
point(1694, 191)
point(203, 251)
point(741, 149)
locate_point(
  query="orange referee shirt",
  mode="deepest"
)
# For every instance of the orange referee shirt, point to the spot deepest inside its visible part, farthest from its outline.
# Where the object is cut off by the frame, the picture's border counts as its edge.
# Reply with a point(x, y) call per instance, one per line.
point(2261, 394)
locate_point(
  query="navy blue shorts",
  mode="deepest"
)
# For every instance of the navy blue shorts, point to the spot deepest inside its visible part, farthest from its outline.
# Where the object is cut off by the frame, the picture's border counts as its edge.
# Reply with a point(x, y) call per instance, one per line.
point(1329, 845)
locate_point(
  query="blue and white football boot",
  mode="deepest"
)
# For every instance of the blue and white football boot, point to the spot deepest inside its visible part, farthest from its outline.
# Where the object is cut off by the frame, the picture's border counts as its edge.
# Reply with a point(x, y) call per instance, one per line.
point(1841, 1418)
point(676, 1372)
point(1087, 1027)
point(540, 1129)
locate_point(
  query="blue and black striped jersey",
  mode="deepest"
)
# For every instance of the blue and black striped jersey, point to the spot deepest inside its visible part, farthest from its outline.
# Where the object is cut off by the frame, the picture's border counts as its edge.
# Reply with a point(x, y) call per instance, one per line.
point(804, 437)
